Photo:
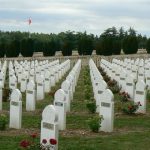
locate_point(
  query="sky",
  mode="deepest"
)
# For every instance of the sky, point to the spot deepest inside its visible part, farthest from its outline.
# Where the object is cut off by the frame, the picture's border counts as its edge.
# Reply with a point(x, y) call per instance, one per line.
point(94, 16)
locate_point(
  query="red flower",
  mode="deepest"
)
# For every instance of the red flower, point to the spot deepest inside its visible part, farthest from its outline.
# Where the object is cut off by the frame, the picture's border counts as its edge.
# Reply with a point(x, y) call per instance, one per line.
point(44, 141)
point(24, 143)
point(53, 141)
point(129, 107)
point(34, 135)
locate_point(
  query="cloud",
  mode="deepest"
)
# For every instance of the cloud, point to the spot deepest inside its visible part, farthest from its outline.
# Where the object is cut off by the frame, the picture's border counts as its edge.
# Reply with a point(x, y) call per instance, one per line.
point(62, 15)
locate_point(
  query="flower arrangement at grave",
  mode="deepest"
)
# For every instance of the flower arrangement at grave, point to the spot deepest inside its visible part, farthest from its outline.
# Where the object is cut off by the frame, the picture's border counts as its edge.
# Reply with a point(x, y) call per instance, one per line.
point(32, 143)
point(125, 97)
point(95, 123)
point(130, 107)
point(115, 88)
point(3, 121)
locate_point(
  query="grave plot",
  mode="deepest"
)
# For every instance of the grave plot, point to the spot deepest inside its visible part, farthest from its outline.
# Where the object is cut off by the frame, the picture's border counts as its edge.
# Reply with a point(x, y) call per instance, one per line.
point(130, 131)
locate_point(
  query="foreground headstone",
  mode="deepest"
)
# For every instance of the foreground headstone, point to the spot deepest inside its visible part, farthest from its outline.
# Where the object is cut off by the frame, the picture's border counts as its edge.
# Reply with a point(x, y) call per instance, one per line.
point(107, 111)
point(49, 125)
point(15, 109)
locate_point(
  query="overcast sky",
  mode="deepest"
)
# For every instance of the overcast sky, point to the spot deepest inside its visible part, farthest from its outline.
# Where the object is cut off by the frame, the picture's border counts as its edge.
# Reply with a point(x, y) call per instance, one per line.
point(94, 16)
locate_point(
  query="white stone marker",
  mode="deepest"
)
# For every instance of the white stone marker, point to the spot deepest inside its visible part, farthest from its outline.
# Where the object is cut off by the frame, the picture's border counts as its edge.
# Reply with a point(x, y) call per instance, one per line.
point(23, 84)
point(53, 80)
point(140, 96)
point(101, 87)
point(1, 96)
point(13, 82)
point(47, 82)
point(15, 109)
point(122, 81)
point(40, 88)
point(30, 96)
point(60, 105)
point(130, 86)
point(65, 86)
point(107, 111)
point(49, 124)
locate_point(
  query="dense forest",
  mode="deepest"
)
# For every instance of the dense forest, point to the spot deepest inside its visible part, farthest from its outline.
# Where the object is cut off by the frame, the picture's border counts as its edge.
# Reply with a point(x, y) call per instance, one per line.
point(110, 42)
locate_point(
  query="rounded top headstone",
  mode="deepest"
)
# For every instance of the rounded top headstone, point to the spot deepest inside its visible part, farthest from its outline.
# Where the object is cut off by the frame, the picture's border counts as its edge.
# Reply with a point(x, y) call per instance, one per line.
point(50, 114)
point(31, 85)
point(60, 95)
point(65, 85)
point(16, 95)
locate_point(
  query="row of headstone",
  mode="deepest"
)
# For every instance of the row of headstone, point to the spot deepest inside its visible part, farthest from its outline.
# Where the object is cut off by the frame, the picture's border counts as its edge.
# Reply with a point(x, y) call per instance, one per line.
point(54, 116)
point(3, 69)
point(63, 96)
point(16, 102)
point(104, 98)
point(135, 87)
point(23, 71)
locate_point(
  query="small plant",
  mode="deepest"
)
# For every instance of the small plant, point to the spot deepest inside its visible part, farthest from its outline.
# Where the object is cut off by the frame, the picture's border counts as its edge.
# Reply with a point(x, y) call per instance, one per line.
point(3, 122)
point(95, 123)
point(130, 107)
point(101, 69)
point(91, 106)
point(125, 97)
point(112, 83)
point(6, 94)
point(106, 78)
point(115, 89)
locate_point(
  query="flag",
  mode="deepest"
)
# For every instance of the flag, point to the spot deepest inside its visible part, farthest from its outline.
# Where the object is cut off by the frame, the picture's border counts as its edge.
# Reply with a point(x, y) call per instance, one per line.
point(29, 21)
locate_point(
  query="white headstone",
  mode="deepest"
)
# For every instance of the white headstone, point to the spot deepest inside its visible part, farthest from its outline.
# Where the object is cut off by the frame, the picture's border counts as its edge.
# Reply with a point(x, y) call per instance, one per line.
point(140, 96)
point(107, 111)
point(40, 88)
point(15, 109)
point(130, 86)
point(60, 106)
point(66, 88)
point(49, 124)
point(13, 82)
point(47, 82)
point(23, 84)
point(30, 96)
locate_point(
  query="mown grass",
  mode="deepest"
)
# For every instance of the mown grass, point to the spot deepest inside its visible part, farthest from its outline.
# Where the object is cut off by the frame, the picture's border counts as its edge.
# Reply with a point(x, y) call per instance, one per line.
point(130, 132)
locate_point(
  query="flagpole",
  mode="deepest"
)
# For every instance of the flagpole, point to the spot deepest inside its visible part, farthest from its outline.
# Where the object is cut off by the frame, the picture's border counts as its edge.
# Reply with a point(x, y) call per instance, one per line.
point(29, 22)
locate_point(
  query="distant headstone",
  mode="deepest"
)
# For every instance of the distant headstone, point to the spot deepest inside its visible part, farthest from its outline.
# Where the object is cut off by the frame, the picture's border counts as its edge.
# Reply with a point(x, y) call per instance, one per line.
point(40, 88)
point(30, 96)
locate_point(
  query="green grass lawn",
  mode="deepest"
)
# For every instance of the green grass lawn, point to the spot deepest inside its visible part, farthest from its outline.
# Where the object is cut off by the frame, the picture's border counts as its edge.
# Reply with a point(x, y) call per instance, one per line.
point(130, 132)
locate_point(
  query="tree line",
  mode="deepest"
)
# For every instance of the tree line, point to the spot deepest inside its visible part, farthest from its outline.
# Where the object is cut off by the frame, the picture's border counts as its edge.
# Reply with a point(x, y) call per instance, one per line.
point(110, 42)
